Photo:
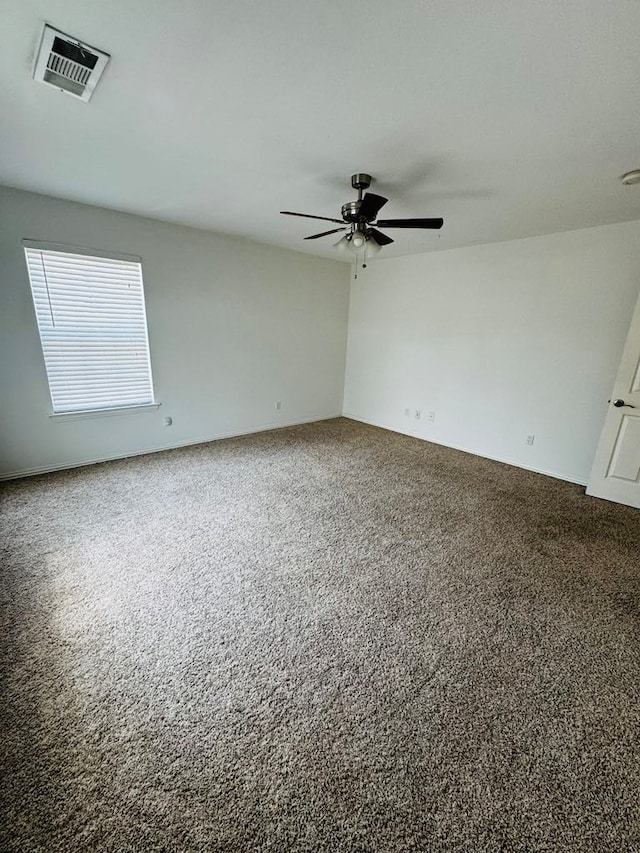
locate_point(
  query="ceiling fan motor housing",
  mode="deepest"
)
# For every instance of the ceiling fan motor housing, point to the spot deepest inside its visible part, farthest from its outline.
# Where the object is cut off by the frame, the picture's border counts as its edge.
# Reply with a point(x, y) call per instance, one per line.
point(351, 211)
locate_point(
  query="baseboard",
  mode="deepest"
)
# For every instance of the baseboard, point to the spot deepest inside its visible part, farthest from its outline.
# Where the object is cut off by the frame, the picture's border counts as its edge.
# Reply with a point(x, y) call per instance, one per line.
point(48, 469)
point(504, 461)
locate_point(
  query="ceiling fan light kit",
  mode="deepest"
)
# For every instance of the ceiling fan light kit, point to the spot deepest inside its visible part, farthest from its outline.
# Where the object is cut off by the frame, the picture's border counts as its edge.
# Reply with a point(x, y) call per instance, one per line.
point(372, 248)
point(358, 220)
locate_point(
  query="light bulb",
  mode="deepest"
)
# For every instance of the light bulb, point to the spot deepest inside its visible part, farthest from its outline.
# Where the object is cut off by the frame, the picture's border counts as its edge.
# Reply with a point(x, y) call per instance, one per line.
point(358, 240)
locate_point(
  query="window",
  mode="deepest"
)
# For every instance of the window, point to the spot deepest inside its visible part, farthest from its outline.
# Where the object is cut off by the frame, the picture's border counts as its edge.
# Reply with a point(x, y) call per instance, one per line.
point(93, 327)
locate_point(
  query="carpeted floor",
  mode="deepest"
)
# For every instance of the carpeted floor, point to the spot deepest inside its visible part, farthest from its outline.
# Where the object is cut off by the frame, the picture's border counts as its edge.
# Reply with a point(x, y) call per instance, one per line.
point(323, 638)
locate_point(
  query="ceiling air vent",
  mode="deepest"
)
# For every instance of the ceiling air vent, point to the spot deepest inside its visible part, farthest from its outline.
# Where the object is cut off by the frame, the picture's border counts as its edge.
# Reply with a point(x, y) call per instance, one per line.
point(67, 64)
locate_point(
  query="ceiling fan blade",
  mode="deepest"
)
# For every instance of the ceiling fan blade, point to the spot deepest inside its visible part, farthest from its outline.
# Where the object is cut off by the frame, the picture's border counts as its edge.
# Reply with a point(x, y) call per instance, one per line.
point(324, 233)
point(370, 205)
point(410, 223)
point(309, 216)
point(380, 238)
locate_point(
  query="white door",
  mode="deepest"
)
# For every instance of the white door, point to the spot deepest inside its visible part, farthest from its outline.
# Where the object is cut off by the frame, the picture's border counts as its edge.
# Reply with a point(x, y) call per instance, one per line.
point(616, 469)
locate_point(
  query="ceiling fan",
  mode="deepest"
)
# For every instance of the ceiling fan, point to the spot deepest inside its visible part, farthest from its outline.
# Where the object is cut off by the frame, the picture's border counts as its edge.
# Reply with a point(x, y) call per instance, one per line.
point(358, 220)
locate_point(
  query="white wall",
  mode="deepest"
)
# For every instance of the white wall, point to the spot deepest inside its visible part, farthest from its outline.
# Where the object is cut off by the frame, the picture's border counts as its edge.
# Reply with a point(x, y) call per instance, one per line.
point(233, 327)
point(500, 341)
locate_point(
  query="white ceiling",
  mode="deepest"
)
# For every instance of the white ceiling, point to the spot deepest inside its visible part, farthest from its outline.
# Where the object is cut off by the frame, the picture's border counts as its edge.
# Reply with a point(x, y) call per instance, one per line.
point(510, 118)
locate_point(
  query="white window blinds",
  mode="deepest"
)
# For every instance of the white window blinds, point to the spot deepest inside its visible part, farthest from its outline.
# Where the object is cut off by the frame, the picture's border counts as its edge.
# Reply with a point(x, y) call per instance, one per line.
point(93, 328)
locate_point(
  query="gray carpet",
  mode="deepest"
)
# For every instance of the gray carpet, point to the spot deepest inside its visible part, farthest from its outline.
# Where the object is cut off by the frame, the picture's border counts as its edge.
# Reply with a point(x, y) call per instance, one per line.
point(323, 638)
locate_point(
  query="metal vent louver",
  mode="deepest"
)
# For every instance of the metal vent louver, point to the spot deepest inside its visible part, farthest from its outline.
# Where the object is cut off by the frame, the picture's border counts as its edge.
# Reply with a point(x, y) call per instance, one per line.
point(67, 64)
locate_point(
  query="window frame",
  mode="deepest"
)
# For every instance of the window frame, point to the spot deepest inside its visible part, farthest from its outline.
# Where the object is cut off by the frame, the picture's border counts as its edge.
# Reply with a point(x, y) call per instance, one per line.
point(70, 249)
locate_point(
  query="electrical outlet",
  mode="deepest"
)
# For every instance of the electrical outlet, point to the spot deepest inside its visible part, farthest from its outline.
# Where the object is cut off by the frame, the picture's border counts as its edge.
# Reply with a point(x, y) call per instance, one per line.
point(418, 414)
point(530, 439)
point(431, 416)
point(278, 405)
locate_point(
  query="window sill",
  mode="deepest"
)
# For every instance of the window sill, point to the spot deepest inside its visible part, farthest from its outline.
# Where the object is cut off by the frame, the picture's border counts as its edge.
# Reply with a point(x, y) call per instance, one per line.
point(103, 413)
